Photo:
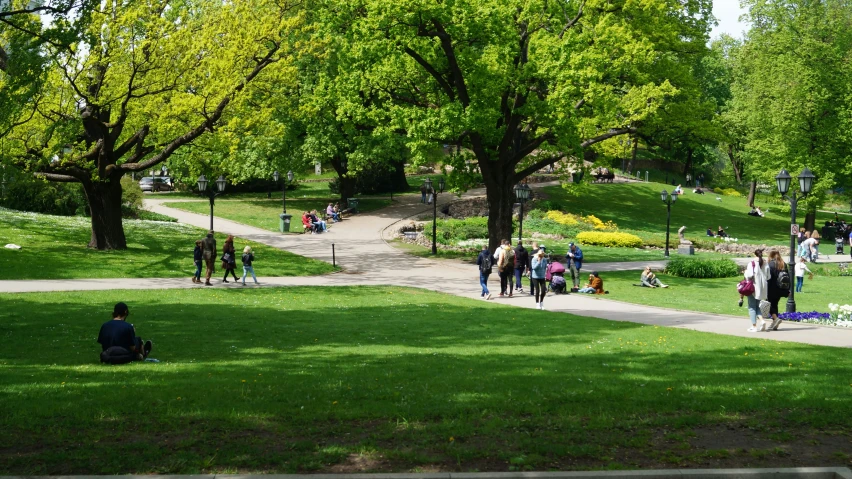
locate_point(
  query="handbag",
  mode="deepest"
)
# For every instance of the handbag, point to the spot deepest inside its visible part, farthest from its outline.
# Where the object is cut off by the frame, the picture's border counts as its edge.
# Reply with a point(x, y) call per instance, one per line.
point(745, 287)
point(226, 257)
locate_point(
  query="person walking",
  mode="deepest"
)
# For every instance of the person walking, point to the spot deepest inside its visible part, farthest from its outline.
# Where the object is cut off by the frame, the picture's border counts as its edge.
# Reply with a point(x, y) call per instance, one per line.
point(538, 272)
point(534, 248)
point(208, 252)
point(229, 261)
point(248, 261)
point(423, 192)
point(757, 271)
point(484, 261)
point(522, 257)
point(196, 258)
point(801, 267)
point(574, 258)
point(505, 266)
point(778, 279)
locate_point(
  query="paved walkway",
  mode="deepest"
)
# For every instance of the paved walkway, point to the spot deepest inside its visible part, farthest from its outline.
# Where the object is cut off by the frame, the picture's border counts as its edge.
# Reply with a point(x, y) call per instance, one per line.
point(361, 248)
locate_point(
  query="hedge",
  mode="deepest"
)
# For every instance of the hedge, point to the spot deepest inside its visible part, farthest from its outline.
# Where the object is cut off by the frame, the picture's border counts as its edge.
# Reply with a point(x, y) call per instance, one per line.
point(702, 268)
point(599, 238)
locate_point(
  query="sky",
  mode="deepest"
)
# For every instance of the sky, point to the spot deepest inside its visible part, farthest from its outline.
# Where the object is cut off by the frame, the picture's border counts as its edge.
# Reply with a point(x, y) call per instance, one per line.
point(728, 12)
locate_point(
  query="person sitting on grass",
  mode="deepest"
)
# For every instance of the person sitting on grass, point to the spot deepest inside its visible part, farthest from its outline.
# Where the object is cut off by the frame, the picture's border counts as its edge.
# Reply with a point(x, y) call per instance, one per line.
point(753, 212)
point(650, 280)
point(119, 341)
point(721, 232)
point(710, 233)
point(595, 285)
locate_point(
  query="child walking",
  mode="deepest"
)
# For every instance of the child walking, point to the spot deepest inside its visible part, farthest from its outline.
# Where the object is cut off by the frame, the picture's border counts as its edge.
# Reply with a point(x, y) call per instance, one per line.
point(196, 257)
point(801, 267)
point(248, 259)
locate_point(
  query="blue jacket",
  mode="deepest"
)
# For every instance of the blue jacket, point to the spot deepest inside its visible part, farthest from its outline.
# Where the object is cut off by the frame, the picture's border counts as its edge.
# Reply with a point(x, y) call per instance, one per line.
point(578, 257)
point(196, 255)
point(538, 268)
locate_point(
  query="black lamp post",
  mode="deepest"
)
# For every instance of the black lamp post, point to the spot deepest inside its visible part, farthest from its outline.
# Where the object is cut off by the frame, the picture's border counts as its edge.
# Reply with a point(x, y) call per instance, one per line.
point(428, 184)
point(668, 199)
point(211, 193)
point(806, 182)
point(287, 180)
point(522, 194)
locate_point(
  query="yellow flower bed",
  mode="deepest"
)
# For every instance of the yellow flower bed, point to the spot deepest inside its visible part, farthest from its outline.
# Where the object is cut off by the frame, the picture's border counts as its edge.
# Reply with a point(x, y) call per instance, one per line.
point(727, 192)
point(600, 238)
point(561, 218)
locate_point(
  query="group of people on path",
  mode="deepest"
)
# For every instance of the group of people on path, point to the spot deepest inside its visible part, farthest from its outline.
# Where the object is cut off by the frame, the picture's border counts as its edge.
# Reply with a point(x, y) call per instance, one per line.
point(205, 250)
point(513, 264)
point(770, 282)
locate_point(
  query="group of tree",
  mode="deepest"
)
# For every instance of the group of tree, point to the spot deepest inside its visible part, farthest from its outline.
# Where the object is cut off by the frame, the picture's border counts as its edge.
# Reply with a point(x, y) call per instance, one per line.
point(510, 86)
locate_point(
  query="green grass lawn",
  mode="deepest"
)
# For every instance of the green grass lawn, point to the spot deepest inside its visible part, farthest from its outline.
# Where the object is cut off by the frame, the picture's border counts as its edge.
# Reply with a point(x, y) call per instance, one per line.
point(720, 295)
point(264, 213)
point(637, 206)
point(388, 379)
point(54, 247)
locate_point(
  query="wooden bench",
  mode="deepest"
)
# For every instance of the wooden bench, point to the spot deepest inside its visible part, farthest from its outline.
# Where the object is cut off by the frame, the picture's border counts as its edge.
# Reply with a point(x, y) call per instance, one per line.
point(604, 177)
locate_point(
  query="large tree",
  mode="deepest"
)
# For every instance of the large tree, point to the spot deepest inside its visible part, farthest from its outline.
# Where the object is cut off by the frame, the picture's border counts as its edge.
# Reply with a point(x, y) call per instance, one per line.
point(792, 91)
point(518, 84)
point(145, 79)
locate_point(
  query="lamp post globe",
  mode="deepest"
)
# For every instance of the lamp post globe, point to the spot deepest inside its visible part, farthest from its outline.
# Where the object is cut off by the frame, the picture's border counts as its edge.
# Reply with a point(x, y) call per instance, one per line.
point(806, 181)
point(276, 176)
point(290, 176)
point(428, 183)
point(664, 195)
point(202, 183)
point(441, 185)
point(674, 197)
point(782, 180)
point(220, 183)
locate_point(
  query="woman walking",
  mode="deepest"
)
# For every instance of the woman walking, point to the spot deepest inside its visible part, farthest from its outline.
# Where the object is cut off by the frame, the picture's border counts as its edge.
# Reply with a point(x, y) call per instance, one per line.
point(229, 261)
point(538, 272)
point(776, 290)
point(248, 260)
point(197, 257)
point(758, 272)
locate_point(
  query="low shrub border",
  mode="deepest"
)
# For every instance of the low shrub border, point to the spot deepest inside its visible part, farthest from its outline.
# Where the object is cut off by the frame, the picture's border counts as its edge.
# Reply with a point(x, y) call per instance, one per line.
point(598, 238)
point(702, 268)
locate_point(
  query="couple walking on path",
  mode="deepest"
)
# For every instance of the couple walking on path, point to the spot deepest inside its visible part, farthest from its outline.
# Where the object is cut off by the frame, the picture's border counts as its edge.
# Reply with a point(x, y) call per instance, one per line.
point(205, 250)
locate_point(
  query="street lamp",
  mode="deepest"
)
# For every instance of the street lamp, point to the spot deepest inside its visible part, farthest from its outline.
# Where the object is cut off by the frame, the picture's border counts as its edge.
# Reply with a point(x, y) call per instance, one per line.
point(668, 199)
point(428, 184)
point(287, 180)
point(806, 182)
point(211, 193)
point(522, 194)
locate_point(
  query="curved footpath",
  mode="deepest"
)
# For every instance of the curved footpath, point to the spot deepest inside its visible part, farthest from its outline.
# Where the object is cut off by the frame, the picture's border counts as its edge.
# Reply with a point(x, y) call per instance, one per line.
point(361, 248)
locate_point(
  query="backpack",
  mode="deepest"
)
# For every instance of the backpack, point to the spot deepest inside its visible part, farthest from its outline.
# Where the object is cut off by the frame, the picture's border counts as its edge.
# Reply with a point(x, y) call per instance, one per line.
point(485, 264)
point(783, 279)
point(117, 355)
point(510, 257)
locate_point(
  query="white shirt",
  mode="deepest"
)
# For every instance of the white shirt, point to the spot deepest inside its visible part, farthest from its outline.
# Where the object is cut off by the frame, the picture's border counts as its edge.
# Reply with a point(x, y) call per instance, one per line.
point(760, 277)
point(809, 243)
point(800, 270)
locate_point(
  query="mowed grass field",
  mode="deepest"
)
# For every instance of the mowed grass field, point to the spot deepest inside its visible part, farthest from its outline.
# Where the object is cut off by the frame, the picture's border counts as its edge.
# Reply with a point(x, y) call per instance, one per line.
point(54, 247)
point(353, 379)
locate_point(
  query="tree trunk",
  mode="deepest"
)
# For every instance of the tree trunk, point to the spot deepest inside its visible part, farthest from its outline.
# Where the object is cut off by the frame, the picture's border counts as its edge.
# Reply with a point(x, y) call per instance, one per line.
point(347, 189)
point(810, 220)
point(105, 204)
point(632, 157)
point(751, 192)
point(688, 166)
point(737, 170)
point(500, 195)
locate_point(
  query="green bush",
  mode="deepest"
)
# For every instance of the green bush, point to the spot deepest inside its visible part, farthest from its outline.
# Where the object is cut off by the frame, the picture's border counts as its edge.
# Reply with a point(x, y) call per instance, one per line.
point(151, 216)
point(702, 268)
point(452, 230)
point(545, 226)
point(548, 205)
point(601, 238)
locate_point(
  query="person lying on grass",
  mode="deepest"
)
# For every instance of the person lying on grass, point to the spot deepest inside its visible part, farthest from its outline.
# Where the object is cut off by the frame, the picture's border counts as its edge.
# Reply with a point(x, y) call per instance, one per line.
point(650, 280)
point(119, 341)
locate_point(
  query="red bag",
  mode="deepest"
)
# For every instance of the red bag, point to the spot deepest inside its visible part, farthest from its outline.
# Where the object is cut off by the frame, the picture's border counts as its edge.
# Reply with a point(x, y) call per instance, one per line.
point(746, 286)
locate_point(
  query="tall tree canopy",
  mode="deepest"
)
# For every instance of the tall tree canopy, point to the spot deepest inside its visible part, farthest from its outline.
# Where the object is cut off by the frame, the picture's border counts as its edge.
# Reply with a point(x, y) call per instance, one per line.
point(519, 84)
point(792, 91)
point(144, 79)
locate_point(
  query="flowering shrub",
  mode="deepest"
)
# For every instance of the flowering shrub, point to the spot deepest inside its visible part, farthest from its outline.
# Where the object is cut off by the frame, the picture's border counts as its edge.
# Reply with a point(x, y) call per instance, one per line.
point(600, 238)
point(810, 317)
point(562, 218)
point(727, 192)
point(839, 316)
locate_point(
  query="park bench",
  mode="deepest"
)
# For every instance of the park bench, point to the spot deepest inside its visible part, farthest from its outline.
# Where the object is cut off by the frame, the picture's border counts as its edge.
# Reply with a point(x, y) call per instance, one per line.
point(604, 177)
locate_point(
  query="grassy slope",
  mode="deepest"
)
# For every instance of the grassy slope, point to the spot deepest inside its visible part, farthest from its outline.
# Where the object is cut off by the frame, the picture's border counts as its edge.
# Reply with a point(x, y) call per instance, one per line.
point(54, 247)
point(389, 379)
point(637, 206)
point(264, 213)
point(720, 295)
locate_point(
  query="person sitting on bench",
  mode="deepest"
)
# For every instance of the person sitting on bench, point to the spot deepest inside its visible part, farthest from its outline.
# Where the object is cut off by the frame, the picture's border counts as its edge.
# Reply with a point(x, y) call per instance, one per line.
point(330, 213)
point(119, 341)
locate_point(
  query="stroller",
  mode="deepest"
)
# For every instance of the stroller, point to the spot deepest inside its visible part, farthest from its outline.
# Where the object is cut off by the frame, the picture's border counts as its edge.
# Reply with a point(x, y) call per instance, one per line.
point(838, 244)
point(555, 276)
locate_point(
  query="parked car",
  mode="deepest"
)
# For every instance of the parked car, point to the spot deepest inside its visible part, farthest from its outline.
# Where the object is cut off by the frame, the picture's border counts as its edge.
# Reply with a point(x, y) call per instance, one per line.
point(157, 183)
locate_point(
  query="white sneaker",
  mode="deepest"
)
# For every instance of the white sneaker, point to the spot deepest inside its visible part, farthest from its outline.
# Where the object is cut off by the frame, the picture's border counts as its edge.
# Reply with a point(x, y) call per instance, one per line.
point(761, 326)
point(537, 305)
point(752, 330)
point(540, 305)
point(488, 297)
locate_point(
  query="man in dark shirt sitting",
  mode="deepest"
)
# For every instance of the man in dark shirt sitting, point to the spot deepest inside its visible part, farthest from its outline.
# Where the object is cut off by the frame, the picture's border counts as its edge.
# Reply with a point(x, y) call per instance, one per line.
point(119, 341)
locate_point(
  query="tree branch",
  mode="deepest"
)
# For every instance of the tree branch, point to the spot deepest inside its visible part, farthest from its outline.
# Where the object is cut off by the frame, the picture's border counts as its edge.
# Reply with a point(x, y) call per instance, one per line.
point(609, 134)
point(432, 71)
point(58, 178)
point(537, 166)
point(452, 61)
point(573, 21)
